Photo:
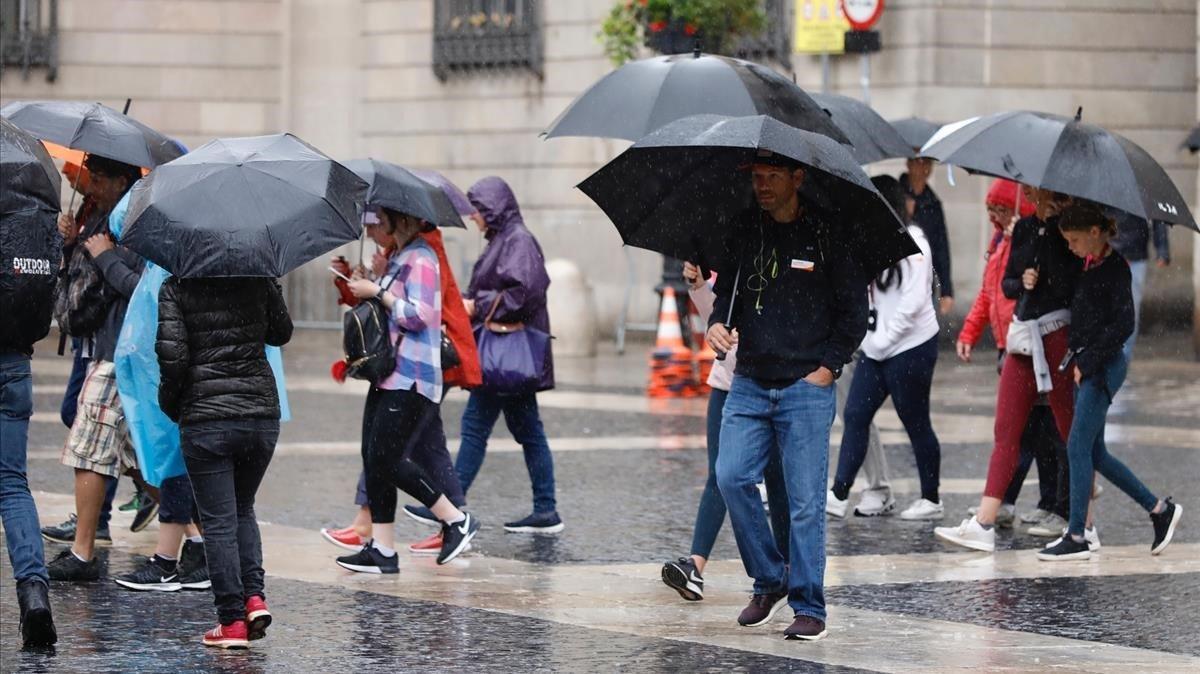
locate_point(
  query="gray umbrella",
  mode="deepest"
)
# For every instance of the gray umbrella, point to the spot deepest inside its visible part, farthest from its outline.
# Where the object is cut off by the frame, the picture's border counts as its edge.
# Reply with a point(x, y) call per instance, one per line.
point(258, 206)
point(30, 181)
point(395, 187)
point(1064, 155)
point(93, 128)
point(872, 138)
point(915, 130)
point(642, 96)
point(683, 189)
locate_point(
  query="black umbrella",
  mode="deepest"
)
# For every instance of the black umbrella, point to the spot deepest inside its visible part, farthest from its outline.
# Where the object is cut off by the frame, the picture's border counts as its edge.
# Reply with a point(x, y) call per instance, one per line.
point(681, 190)
point(872, 138)
point(642, 96)
point(93, 128)
point(1064, 155)
point(1192, 142)
point(29, 178)
point(915, 131)
point(397, 188)
point(258, 206)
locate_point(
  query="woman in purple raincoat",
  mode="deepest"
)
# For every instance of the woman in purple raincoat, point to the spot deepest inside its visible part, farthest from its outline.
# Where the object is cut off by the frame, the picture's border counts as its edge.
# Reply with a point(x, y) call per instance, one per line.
point(509, 285)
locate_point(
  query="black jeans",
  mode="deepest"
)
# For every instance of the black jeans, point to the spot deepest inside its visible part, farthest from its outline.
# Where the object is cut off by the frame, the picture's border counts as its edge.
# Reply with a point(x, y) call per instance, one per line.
point(1040, 442)
point(431, 454)
point(226, 461)
point(394, 423)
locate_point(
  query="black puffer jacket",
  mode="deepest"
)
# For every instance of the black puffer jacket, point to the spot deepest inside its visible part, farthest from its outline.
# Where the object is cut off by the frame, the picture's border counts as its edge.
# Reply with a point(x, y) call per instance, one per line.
point(212, 337)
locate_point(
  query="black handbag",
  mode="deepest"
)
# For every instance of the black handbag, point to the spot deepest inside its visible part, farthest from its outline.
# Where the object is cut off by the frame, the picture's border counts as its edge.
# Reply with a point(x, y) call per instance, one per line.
point(367, 341)
point(450, 359)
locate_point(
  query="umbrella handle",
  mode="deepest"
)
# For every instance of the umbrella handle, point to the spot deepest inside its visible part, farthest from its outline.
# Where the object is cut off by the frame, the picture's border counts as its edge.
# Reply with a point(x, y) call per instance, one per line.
point(737, 280)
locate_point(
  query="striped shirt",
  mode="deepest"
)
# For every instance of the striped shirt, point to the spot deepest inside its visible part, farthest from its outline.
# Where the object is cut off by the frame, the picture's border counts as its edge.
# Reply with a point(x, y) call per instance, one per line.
point(416, 320)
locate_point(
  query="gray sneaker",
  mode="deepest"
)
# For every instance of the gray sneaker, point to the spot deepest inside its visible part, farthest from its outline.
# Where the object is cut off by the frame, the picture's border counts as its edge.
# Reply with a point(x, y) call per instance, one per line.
point(1050, 527)
point(1034, 516)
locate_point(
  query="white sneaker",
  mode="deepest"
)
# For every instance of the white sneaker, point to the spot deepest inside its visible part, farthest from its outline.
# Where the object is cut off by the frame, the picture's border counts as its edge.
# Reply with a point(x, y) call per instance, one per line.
point(1050, 527)
point(835, 506)
point(875, 502)
point(923, 509)
point(1035, 516)
point(1090, 535)
point(969, 534)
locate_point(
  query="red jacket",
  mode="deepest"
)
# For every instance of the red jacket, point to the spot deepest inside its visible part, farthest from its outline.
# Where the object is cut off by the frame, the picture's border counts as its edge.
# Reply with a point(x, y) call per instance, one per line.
point(457, 323)
point(991, 306)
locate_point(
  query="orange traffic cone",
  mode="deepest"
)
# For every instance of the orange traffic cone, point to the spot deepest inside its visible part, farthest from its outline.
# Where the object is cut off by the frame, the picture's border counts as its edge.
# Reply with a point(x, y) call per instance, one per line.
point(704, 356)
point(671, 371)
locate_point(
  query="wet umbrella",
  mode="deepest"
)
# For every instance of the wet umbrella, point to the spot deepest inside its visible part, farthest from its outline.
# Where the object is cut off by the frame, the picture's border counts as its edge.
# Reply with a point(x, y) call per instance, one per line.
point(681, 190)
point(915, 131)
point(93, 128)
point(258, 206)
point(642, 96)
point(1064, 155)
point(30, 181)
point(397, 188)
point(1192, 142)
point(461, 203)
point(871, 137)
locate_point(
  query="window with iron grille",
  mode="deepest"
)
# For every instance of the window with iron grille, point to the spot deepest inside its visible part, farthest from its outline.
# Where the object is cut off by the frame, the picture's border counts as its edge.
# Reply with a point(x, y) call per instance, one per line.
point(29, 36)
point(481, 35)
point(775, 42)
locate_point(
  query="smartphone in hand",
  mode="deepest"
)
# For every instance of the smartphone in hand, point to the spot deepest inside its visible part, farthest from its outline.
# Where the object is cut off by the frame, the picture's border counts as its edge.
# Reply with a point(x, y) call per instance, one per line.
point(339, 274)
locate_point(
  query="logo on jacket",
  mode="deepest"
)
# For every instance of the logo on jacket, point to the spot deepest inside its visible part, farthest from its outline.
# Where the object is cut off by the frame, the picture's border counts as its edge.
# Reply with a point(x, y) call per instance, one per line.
point(32, 265)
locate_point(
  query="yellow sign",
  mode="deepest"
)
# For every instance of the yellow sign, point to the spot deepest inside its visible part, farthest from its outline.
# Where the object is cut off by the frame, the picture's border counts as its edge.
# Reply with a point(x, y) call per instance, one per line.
point(820, 27)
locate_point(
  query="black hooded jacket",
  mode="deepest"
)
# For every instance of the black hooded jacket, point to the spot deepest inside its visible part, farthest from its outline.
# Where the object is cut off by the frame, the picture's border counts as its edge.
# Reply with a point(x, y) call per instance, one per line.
point(212, 337)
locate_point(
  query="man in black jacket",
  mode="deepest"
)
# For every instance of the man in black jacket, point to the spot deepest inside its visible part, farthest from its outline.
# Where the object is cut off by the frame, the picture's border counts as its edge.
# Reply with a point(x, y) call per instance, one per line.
point(31, 254)
point(799, 312)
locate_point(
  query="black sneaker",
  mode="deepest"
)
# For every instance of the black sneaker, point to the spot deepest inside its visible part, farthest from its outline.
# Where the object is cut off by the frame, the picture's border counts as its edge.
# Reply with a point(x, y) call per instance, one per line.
point(157, 574)
point(37, 625)
point(762, 608)
point(1065, 550)
point(370, 560)
point(1164, 526)
point(805, 628)
point(67, 567)
point(193, 567)
point(456, 538)
point(423, 515)
point(65, 533)
point(682, 576)
point(537, 523)
point(147, 509)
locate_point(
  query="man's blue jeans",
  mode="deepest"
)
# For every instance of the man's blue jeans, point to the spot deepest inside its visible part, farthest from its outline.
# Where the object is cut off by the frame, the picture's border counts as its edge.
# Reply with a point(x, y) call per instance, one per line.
point(796, 418)
point(1086, 450)
point(21, 529)
point(525, 423)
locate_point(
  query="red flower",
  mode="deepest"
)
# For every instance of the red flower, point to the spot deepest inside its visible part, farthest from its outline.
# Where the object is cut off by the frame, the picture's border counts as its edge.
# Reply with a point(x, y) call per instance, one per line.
point(689, 29)
point(338, 371)
point(657, 26)
point(643, 2)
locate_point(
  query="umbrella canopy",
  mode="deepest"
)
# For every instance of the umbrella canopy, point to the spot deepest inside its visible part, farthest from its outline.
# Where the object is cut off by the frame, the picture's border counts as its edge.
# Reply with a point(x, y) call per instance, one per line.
point(1064, 155)
point(915, 131)
point(28, 178)
point(871, 137)
point(456, 196)
point(397, 188)
point(93, 128)
point(258, 206)
point(1192, 142)
point(681, 190)
point(642, 96)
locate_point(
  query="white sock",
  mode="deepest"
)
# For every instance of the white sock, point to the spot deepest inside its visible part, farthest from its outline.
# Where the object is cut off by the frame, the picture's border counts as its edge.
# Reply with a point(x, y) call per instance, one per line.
point(196, 539)
point(165, 558)
point(85, 561)
point(461, 517)
point(386, 552)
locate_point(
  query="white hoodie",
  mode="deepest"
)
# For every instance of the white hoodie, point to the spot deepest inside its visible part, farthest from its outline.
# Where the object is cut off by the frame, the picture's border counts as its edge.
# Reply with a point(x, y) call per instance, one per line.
point(721, 376)
point(906, 318)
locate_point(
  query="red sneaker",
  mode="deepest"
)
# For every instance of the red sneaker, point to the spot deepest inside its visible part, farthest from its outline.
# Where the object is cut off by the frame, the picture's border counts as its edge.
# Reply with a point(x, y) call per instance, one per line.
point(233, 635)
point(347, 538)
point(427, 546)
point(258, 616)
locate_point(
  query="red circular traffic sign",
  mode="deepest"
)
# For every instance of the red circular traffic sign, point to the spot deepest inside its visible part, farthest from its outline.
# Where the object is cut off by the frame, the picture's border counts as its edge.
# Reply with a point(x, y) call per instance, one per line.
point(862, 14)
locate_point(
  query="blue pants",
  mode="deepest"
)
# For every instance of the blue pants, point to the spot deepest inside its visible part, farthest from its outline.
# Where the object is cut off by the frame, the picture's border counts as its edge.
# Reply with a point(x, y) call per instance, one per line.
point(711, 513)
point(525, 423)
point(21, 529)
point(907, 377)
point(1086, 450)
point(796, 419)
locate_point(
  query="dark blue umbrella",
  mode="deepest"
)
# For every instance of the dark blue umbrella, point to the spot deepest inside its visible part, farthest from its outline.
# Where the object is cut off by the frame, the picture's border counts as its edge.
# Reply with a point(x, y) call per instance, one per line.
point(258, 206)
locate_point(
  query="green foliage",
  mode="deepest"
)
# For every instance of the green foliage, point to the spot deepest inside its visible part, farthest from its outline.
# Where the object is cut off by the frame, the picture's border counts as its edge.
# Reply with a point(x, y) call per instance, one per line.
point(632, 23)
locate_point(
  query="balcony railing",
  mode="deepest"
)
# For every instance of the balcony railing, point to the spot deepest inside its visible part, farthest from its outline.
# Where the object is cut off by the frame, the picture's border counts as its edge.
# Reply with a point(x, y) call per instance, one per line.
point(486, 35)
point(29, 36)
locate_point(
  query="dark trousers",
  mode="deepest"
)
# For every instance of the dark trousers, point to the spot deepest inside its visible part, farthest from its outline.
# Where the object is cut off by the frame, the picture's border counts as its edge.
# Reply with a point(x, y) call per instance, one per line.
point(393, 425)
point(431, 454)
point(1041, 443)
point(226, 461)
point(524, 421)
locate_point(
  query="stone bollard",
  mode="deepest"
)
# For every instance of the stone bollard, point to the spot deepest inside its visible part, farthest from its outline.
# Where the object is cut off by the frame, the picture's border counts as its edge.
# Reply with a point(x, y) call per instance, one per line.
point(572, 310)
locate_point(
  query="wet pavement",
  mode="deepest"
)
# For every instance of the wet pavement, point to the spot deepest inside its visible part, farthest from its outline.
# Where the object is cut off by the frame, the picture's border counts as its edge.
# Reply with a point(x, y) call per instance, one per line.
point(629, 473)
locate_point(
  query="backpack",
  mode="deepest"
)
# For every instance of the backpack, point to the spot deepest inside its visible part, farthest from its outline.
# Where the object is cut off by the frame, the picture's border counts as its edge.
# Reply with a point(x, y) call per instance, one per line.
point(82, 296)
point(367, 342)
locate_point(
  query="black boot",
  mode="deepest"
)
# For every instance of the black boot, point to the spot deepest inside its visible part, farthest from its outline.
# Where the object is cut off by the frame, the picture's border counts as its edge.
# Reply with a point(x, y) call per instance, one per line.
point(37, 625)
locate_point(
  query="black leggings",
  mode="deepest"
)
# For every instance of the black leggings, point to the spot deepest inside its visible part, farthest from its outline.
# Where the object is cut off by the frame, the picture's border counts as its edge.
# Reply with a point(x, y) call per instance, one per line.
point(393, 423)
